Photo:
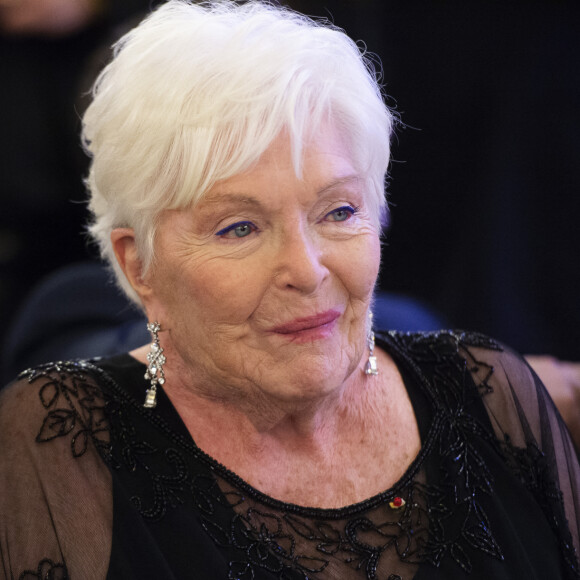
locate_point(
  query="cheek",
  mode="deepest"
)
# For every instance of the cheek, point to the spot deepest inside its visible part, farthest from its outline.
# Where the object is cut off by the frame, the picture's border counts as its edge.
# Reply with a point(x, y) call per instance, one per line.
point(360, 266)
point(217, 292)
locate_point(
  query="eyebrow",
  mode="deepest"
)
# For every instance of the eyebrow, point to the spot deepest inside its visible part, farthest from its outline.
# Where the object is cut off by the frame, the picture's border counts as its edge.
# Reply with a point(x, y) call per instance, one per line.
point(249, 200)
point(348, 179)
point(224, 197)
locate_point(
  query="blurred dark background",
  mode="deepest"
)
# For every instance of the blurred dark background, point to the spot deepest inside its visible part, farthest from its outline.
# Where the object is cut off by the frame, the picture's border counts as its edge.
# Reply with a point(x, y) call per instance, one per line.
point(485, 178)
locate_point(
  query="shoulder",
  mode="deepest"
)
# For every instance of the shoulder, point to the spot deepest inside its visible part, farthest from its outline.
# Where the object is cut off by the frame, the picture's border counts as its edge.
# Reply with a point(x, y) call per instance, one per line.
point(470, 366)
point(443, 345)
point(55, 483)
point(448, 340)
point(63, 401)
point(453, 350)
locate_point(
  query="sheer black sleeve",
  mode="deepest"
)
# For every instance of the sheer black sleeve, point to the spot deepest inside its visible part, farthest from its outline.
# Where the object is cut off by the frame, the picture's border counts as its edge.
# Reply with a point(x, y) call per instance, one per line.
point(55, 488)
point(533, 437)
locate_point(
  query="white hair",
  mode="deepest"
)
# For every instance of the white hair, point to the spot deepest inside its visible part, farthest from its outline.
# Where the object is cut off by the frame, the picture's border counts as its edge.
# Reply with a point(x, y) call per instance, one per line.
point(197, 92)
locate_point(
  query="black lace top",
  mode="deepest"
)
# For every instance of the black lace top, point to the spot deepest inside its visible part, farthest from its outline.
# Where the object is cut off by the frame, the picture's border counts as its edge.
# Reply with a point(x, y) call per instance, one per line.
point(94, 486)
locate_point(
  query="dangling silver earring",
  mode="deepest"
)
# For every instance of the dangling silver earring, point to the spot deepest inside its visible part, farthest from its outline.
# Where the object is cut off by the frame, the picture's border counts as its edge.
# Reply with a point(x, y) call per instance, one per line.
point(156, 360)
point(371, 366)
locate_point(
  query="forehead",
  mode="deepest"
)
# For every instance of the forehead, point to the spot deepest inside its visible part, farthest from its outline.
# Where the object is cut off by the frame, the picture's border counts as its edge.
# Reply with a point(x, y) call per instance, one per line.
point(325, 163)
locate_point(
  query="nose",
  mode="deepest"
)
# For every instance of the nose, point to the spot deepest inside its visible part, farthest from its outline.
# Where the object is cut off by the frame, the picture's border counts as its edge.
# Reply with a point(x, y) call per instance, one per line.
point(299, 262)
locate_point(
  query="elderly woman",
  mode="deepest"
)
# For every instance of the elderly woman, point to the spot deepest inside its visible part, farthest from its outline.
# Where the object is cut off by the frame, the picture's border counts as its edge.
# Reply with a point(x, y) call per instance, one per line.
point(239, 156)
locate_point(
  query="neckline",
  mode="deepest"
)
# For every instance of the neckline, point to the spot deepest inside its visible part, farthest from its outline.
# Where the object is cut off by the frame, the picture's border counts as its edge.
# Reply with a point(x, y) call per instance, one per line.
point(166, 417)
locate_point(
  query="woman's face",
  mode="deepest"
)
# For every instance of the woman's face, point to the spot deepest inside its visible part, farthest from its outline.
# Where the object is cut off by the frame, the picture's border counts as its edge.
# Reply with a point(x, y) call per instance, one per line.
point(265, 285)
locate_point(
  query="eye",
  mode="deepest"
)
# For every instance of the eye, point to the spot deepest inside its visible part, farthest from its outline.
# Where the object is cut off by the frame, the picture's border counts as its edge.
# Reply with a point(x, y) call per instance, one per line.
point(341, 214)
point(237, 230)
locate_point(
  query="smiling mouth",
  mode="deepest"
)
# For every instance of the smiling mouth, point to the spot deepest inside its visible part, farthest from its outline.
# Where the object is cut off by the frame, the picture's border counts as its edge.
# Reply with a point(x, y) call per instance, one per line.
point(309, 327)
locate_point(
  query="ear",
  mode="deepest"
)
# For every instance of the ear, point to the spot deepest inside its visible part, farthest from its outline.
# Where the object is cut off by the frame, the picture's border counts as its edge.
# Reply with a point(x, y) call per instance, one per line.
point(125, 247)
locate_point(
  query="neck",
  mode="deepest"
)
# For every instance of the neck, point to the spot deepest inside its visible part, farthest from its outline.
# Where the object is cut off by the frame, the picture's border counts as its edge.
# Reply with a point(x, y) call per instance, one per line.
point(260, 420)
point(258, 416)
point(333, 451)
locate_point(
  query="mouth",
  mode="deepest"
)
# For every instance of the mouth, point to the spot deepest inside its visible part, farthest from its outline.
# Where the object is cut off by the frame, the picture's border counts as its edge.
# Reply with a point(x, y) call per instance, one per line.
point(309, 327)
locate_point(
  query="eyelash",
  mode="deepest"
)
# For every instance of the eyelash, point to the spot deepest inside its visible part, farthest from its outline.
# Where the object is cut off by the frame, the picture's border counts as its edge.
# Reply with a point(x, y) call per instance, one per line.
point(345, 208)
point(230, 229)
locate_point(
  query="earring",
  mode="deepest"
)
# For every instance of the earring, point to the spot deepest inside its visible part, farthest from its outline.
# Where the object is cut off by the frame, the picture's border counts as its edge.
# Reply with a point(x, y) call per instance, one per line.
point(156, 360)
point(371, 366)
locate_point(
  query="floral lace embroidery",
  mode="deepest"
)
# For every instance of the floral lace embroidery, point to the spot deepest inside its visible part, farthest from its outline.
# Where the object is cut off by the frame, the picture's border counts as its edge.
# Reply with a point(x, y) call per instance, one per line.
point(47, 570)
point(286, 540)
point(75, 406)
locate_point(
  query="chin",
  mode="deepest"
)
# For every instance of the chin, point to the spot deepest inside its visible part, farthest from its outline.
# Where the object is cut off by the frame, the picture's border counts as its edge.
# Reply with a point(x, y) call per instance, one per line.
point(314, 381)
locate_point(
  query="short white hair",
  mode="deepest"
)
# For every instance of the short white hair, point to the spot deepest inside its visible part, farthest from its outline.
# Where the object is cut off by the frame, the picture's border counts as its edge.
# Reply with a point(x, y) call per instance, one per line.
point(197, 92)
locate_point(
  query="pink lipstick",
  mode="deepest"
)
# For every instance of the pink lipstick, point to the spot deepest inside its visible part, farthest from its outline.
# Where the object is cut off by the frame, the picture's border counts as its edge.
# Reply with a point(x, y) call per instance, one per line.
point(309, 328)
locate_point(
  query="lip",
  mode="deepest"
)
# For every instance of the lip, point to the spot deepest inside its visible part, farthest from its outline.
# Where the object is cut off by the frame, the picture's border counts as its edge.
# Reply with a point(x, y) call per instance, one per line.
point(315, 326)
